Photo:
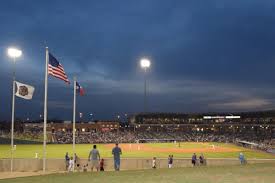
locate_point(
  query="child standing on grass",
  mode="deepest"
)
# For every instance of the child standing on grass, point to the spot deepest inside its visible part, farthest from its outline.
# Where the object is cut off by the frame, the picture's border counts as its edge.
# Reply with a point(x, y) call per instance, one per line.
point(202, 160)
point(76, 162)
point(71, 165)
point(170, 161)
point(154, 163)
point(85, 168)
point(101, 165)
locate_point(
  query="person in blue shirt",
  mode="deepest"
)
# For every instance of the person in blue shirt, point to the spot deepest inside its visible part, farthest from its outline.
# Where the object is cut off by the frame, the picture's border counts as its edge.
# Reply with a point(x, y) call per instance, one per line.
point(241, 158)
point(67, 159)
point(194, 159)
point(116, 153)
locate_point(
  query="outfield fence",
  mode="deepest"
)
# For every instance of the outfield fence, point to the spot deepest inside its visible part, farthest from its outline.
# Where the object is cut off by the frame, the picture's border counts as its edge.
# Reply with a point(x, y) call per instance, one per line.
point(56, 165)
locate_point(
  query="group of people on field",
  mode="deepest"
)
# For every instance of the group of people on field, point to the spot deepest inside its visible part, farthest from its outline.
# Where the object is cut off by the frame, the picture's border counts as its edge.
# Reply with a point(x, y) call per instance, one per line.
point(170, 162)
point(94, 160)
point(198, 161)
point(71, 162)
point(202, 161)
point(194, 160)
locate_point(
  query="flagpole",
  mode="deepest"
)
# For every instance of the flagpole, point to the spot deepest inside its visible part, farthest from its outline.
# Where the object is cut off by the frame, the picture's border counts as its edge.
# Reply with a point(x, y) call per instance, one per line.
point(12, 117)
point(45, 110)
point(74, 108)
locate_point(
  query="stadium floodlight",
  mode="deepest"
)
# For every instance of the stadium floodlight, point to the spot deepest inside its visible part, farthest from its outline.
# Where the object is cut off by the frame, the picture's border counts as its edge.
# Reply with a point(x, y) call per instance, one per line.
point(145, 63)
point(13, 53)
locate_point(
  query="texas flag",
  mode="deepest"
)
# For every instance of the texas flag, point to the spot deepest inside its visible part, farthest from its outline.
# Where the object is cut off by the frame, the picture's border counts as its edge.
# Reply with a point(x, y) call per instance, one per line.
point(79, 89)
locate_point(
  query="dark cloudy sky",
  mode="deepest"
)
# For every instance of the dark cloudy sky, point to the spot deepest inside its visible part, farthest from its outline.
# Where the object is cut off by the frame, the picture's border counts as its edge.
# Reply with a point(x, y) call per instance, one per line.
point(216, 55)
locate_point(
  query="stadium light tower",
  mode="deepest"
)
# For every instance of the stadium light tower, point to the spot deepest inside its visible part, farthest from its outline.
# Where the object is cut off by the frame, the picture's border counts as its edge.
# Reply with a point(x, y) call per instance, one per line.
point(145, 64)
point(13, 53)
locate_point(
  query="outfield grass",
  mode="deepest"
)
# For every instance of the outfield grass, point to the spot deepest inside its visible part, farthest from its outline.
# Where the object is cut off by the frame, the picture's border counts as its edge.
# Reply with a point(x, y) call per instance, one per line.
point(59, 150)
point(258, 173)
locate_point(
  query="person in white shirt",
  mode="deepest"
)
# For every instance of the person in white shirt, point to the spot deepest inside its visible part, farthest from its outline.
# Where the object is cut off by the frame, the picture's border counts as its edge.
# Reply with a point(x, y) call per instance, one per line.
point(71, 165)
point(154, 163)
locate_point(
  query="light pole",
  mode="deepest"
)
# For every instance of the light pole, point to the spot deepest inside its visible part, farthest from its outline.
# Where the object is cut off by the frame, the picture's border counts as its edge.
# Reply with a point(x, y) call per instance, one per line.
point(13, 53)
point(145, 64)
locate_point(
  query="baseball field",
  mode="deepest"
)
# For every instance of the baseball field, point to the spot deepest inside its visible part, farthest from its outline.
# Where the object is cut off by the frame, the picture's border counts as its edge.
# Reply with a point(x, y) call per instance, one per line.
point(148, 150)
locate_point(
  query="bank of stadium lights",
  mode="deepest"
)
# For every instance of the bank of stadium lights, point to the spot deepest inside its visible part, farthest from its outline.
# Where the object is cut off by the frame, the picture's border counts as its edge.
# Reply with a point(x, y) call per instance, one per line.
point(80, 114)
point(14, 53)
point(145, 63)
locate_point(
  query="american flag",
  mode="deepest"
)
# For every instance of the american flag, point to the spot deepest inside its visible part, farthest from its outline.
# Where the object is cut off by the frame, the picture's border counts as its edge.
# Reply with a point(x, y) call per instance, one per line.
point(56, 69)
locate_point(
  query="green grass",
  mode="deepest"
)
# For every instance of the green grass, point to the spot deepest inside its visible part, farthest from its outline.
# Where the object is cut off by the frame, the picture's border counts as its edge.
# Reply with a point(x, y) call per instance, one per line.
point(259, 173)
point(59, 150)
